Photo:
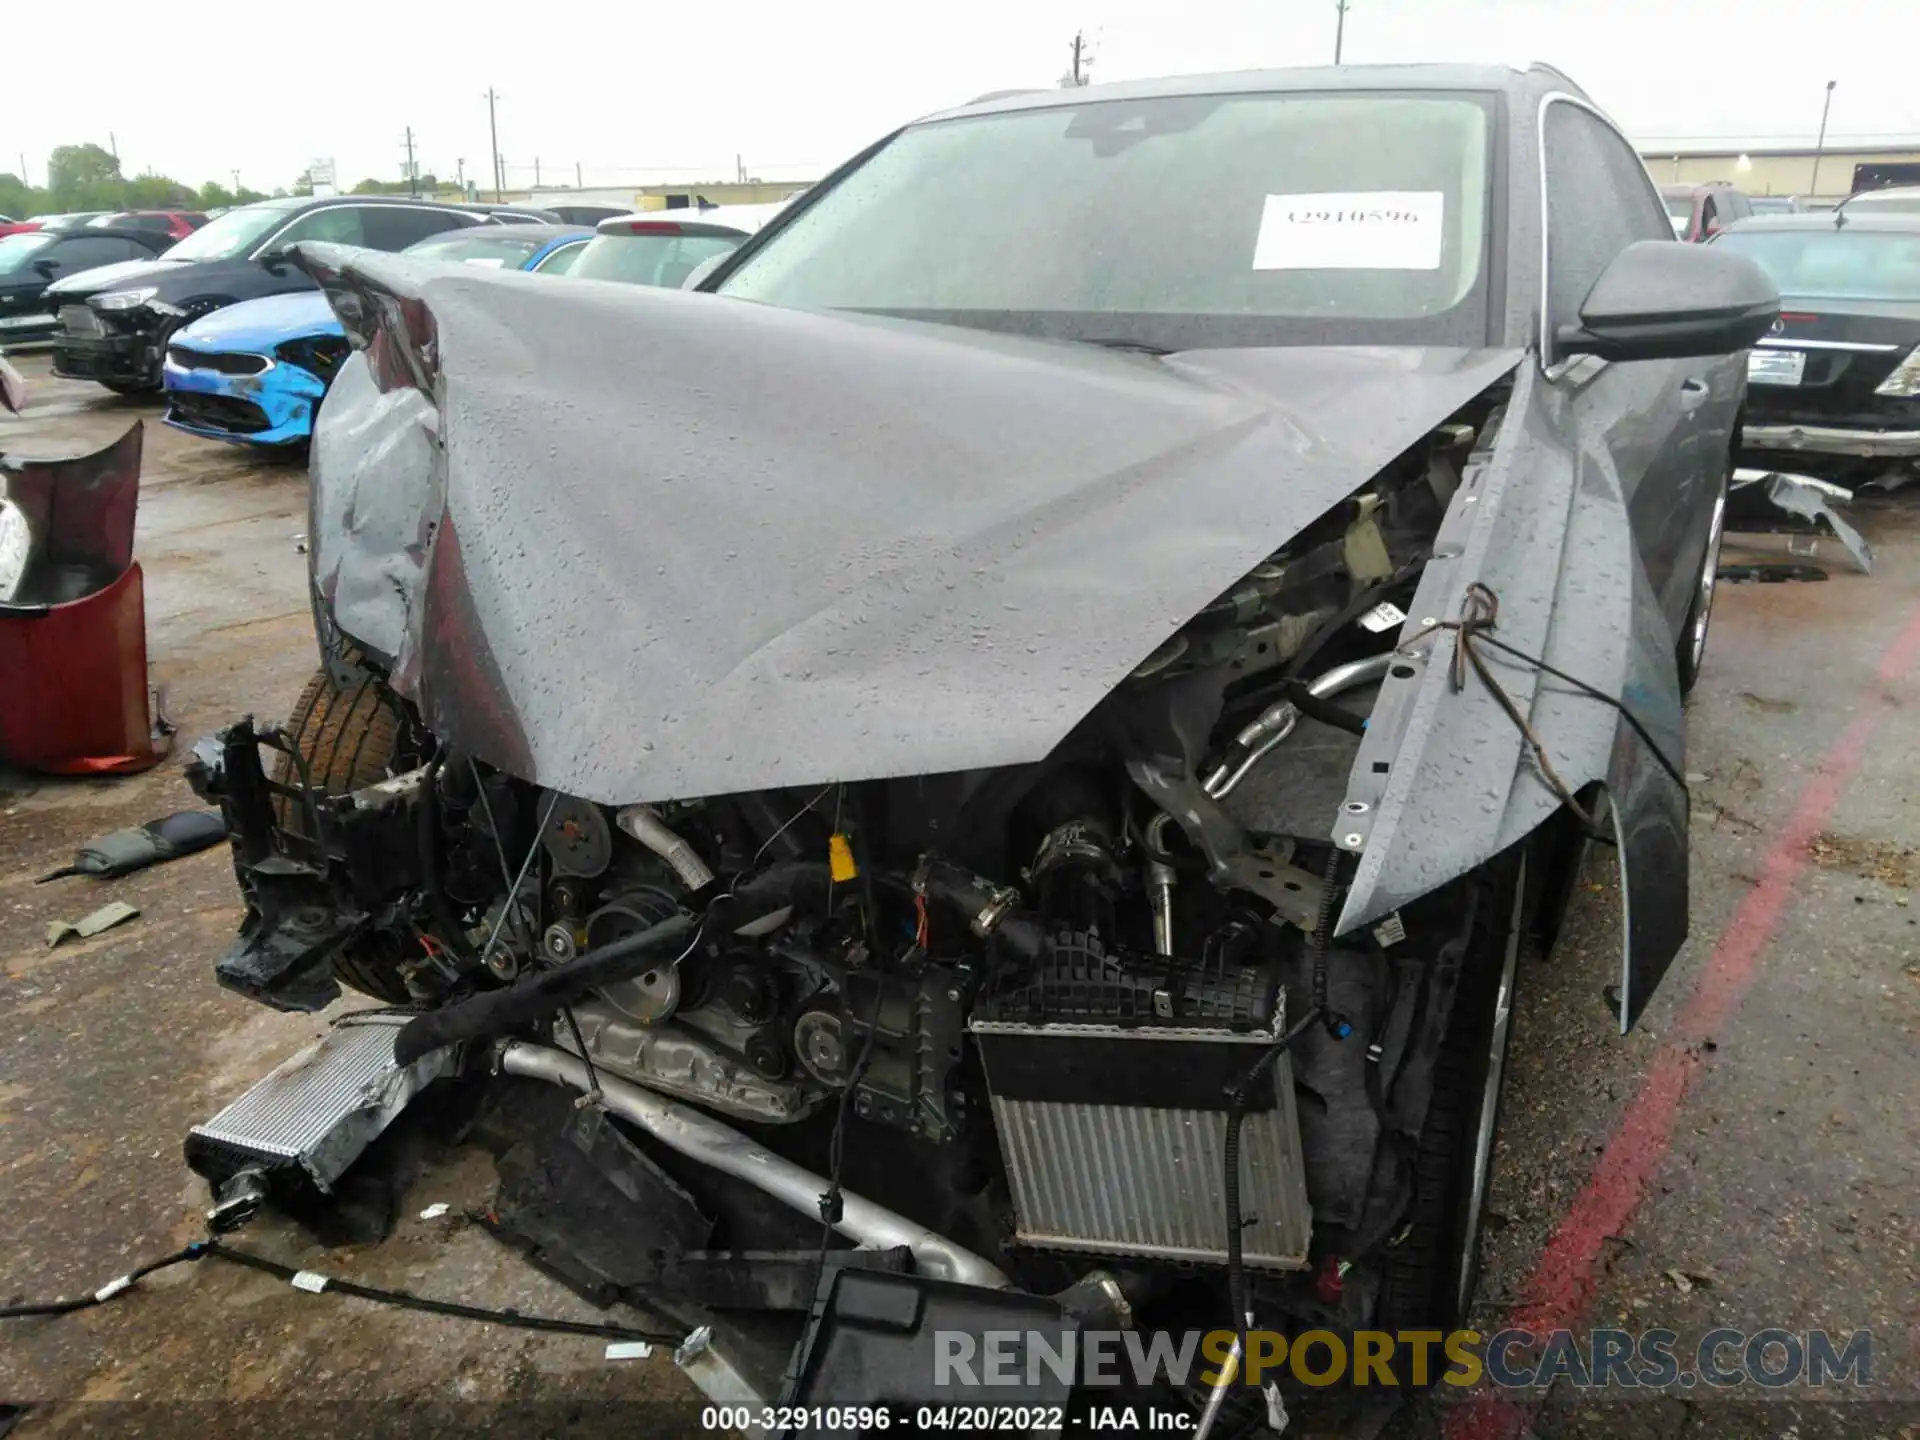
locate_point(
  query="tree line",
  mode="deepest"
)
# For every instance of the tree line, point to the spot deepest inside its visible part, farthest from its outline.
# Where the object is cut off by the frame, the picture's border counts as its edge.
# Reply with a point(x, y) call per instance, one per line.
point(86, 177)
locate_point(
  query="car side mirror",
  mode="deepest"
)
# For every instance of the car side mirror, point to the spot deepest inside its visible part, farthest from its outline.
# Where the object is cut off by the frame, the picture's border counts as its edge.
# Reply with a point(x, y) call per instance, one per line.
point(275, 259)
point(48, 268)
point(1661, 301)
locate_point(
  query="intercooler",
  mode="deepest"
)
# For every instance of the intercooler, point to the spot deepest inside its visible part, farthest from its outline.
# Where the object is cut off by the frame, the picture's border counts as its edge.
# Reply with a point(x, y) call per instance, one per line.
point(1112, 1133)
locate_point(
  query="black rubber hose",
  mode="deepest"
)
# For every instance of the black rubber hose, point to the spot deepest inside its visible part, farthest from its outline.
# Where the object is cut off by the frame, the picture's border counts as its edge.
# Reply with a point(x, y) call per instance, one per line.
point(427, 842)
point(496, 1012)
point(1318, 707)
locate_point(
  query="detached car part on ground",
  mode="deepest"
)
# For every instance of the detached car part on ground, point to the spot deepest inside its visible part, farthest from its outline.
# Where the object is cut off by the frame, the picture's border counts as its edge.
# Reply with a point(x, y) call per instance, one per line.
point(255, 373)
point(1043, 783)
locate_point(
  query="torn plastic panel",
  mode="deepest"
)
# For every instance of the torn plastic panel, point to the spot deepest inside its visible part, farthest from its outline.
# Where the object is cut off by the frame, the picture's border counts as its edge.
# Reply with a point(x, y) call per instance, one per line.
point(1767, 501)
point(779, 547)
point(1549, 534)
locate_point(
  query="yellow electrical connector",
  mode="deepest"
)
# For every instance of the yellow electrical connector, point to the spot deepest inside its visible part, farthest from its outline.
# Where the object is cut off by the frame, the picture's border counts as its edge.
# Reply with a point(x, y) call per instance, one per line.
point(840, 859)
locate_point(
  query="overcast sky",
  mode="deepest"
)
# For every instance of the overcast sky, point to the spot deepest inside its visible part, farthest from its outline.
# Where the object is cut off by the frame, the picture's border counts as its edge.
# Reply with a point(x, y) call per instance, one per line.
point(629, 91)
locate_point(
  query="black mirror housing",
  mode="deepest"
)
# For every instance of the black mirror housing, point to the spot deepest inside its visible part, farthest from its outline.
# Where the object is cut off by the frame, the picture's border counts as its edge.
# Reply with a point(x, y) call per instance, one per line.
point(1662, 300)
point(48, 268)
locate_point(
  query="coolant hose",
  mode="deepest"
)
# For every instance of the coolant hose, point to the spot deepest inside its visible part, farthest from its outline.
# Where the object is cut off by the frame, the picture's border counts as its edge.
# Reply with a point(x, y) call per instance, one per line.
point(495, 1012)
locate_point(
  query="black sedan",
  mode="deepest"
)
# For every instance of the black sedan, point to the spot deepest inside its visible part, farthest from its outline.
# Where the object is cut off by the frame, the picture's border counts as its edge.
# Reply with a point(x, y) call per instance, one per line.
point(35, 259)
point(1836, 385)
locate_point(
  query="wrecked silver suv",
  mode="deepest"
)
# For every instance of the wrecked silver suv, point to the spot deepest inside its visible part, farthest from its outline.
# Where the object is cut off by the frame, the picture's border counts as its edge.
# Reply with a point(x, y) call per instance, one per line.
point(1011, 745)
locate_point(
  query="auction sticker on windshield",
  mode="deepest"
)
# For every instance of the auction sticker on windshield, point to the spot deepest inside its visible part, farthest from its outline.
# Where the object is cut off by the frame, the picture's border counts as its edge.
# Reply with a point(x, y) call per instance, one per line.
point(1365, 230)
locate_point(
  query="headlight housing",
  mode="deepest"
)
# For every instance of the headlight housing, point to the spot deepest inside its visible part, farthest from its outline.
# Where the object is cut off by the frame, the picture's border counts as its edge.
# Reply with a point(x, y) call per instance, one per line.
point(161, 307)
point(125, 299)
point(1905, 379)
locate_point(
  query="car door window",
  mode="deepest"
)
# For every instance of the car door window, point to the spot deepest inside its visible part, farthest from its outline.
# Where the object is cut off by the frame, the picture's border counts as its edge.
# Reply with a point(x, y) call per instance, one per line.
point(394, 227)
point(1599, 201)
point(76, 255)
point(1709, 217)
point(561, 260)
point(335, 224)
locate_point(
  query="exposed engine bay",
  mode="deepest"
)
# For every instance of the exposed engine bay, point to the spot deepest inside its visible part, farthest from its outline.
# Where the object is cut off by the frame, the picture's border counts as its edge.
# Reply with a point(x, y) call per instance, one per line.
point(1060, 984)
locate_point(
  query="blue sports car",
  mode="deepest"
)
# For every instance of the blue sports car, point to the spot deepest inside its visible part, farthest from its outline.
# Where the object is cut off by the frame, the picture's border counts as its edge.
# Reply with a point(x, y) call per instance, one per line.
point(255, 372)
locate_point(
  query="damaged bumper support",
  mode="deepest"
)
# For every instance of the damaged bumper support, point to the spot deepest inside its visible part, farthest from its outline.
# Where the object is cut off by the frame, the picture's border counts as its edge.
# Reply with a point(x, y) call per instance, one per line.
point(107, 358)
point(725, 1149)
point(1834, 440)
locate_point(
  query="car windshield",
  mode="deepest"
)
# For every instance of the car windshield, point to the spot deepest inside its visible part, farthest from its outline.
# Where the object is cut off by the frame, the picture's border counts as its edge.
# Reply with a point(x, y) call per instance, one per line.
point(234, 233)
point(476, 247)
point(648, 259)
point(1173, 222)
point(1893, 202)
point(1835, 264)
point(17, 252)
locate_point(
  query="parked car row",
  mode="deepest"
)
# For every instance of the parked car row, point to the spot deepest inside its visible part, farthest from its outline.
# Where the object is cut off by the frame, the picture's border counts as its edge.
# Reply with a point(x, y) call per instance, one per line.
point(236, 333)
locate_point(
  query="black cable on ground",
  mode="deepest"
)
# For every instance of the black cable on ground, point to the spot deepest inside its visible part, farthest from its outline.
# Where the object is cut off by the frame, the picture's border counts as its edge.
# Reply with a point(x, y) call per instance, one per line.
point(313, 1282)
point(109, 1290)
point(316, 1283)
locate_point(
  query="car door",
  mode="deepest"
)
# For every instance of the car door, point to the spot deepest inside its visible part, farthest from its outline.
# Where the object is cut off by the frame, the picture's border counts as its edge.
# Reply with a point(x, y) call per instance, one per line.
point(1654, 423)
point(87, 252)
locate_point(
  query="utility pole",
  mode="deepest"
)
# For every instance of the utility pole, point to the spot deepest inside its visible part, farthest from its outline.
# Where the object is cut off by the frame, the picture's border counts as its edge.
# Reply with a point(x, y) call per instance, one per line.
point(740, 168)
point(413, 171)
point(576, 176)
point(1820, 145)
point(114, 146)
point(1081, 59)
point(236, 182)
point(460, 174)
point(1339, 28)
point(24, 178)
point(536, 172)
point(493, 132)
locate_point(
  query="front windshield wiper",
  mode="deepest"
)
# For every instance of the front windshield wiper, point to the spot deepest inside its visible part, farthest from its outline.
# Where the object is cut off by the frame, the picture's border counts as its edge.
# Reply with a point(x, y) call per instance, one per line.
point(1138, 346)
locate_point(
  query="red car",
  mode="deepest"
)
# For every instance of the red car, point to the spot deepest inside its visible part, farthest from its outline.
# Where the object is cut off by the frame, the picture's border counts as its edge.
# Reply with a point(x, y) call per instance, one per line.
point(177, 223)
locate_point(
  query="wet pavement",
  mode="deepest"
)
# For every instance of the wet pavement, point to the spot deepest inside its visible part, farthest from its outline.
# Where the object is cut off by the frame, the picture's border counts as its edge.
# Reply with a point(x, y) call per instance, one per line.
point(1748, 1158)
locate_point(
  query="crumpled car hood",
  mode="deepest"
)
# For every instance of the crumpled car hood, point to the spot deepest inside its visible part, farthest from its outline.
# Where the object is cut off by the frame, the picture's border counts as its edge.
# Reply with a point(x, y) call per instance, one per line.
point(640, 544)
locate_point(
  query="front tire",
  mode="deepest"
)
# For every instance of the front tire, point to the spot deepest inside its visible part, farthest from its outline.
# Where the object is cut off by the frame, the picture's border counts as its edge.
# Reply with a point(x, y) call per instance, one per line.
point(1691, 652)
point(348, 739)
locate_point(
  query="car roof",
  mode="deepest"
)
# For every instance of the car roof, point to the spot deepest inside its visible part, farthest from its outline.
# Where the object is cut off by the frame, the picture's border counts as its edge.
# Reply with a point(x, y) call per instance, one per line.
point(656, 222)
point(1356, 79)
point(1899, 192)
point(527, 230)
point(1893, 222)
point(1673, 191)
point(121, 232)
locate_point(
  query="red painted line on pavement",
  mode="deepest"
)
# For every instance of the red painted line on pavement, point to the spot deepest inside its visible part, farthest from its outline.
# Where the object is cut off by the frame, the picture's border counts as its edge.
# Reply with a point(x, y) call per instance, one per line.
point(1563, 1282)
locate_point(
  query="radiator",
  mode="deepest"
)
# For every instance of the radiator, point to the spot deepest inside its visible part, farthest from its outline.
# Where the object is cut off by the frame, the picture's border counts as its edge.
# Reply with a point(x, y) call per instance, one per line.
point(1112, 1139)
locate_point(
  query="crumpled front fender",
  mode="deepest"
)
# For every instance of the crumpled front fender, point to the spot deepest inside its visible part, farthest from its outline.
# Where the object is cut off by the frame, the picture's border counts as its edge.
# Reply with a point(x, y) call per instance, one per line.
point(1443, 780)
